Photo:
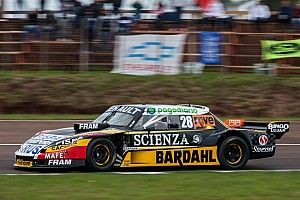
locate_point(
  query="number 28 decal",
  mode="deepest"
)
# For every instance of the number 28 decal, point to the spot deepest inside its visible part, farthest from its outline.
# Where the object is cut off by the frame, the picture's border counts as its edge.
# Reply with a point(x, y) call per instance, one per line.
point(186, 122)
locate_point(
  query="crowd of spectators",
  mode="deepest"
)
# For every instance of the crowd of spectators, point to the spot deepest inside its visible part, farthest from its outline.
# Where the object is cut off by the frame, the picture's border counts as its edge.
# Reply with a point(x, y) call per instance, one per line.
point(96, 18)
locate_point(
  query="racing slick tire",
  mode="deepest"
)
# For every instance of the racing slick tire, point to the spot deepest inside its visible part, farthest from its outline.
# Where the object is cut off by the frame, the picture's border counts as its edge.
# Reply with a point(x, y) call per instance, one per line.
point(233, 153)
point(101, 155)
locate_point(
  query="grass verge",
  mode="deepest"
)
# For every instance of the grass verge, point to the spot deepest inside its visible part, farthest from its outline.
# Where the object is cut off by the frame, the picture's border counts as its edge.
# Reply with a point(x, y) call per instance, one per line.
point(194, 185)
point(93, 92)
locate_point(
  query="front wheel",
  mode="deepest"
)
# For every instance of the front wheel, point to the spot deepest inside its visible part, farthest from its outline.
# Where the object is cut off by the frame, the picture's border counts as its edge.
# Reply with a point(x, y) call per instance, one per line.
point(101, 155)
point(233, 153)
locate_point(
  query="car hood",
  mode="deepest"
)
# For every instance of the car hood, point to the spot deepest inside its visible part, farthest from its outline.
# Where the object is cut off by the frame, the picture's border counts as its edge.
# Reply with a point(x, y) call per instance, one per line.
point(44, 138)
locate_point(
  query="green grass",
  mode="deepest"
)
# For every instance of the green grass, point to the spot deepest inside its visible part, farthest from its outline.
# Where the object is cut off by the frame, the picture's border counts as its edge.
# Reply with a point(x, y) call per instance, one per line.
point(92, 92)
point(177, 186)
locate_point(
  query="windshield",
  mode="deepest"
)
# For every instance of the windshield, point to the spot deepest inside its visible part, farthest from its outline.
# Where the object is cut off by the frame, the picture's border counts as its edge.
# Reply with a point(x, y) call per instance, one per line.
point(101, 118)
point(115, 119)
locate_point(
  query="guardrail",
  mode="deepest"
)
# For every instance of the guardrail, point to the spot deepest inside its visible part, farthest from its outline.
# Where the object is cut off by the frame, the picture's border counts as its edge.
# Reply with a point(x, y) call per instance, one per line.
point(240, 51)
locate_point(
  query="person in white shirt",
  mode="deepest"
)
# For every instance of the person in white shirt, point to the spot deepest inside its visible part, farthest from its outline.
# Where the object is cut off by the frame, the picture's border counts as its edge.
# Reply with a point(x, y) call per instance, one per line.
point(216, 9)
point(215, 15)
point(261, 11)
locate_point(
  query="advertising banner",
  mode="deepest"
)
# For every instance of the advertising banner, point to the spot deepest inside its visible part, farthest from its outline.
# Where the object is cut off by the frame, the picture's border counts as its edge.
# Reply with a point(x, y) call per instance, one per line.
point(148, 54)
point(210, 48)
point(280, 49)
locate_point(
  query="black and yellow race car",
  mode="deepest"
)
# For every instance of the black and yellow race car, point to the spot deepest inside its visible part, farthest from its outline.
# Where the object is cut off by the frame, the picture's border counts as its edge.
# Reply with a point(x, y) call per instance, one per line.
point(152, 136)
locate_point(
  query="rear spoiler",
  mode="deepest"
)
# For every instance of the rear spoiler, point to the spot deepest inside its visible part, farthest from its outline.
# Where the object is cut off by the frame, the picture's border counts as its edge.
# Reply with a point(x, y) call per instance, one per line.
point(276, 128)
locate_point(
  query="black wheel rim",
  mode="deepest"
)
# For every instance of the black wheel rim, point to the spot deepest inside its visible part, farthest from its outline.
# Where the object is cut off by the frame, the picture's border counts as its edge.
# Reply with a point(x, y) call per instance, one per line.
point(233, 153)
point(101, 154)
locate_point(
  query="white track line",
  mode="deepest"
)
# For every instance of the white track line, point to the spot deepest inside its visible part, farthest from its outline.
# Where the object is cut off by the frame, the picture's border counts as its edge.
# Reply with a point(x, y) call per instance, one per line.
point(257, 170)
point(54, 174)
point(160, 173)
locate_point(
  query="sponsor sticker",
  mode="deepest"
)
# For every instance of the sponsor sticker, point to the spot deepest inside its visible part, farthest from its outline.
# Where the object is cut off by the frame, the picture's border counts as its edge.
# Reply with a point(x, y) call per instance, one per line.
point(197, 139)
point(160, 139)
point(174, 110)
point(278, 127)
point(263, 140)
point(30, 149)
point(125, 109)
point(259, 149)
point(59, 162)
point(234, 123)
point(22, 163)
point(186, 157)
point(201, 121)
point(56, 155)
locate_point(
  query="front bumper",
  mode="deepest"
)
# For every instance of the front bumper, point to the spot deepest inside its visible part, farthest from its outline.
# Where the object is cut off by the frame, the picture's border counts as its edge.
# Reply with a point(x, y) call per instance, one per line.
point(30, 162)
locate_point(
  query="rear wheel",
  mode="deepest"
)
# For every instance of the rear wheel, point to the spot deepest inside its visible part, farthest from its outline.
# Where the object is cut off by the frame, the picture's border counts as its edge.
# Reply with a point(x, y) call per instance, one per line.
point(233, 153)
point(101, 155)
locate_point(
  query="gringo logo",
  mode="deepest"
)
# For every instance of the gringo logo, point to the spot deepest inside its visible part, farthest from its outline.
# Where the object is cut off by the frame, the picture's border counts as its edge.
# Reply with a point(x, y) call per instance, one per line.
point(285, 48)
point(151, 111)
point(177, 110)
point(182, 157)
point(278, 127)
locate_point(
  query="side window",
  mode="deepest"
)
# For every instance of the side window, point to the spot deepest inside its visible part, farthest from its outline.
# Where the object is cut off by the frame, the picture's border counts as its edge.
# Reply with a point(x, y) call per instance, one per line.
point(158, 123)
point(139, 126)
point(161, 124)
point(173, 122)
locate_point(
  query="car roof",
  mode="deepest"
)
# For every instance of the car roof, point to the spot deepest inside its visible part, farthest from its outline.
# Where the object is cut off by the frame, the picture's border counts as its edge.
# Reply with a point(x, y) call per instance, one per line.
point(164, 109)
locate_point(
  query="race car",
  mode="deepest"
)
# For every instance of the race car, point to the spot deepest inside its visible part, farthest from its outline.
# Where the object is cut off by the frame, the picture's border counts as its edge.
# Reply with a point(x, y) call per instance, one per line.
point(152, 136)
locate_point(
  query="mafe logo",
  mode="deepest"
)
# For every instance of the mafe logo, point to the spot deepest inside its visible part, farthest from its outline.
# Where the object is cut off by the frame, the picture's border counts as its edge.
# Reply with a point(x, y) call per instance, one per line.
point(263, 140)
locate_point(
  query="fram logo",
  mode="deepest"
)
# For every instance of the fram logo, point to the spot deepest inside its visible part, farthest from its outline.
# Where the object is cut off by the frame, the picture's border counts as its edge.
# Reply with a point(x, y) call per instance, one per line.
point(152, 51)
point(263, 140)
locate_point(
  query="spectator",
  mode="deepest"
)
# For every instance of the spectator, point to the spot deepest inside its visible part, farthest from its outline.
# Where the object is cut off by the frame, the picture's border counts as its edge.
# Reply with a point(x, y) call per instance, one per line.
point(116, 5)
point(97, 9)
point(20, 4)
point(32, 29)
point(160, 9)
point(296, 18)
point(260, 12)
point(138, 7)
point(215, 14)
point(285, 12)
point(42, 2)
point(178, 5)
point(49, 29)
point(216, 10)
point(78, 10)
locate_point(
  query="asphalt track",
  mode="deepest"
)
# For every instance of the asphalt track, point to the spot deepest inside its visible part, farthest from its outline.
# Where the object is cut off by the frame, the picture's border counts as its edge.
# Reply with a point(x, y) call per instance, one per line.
point(12, 133)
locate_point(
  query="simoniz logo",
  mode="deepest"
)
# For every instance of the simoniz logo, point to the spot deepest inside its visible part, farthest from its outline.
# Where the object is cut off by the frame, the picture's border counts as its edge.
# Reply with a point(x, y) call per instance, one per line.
point(183, 157)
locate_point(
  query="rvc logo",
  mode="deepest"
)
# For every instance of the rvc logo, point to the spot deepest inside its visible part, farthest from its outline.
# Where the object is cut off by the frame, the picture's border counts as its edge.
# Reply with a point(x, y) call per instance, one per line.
point(285, 48)
point(158, 50)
